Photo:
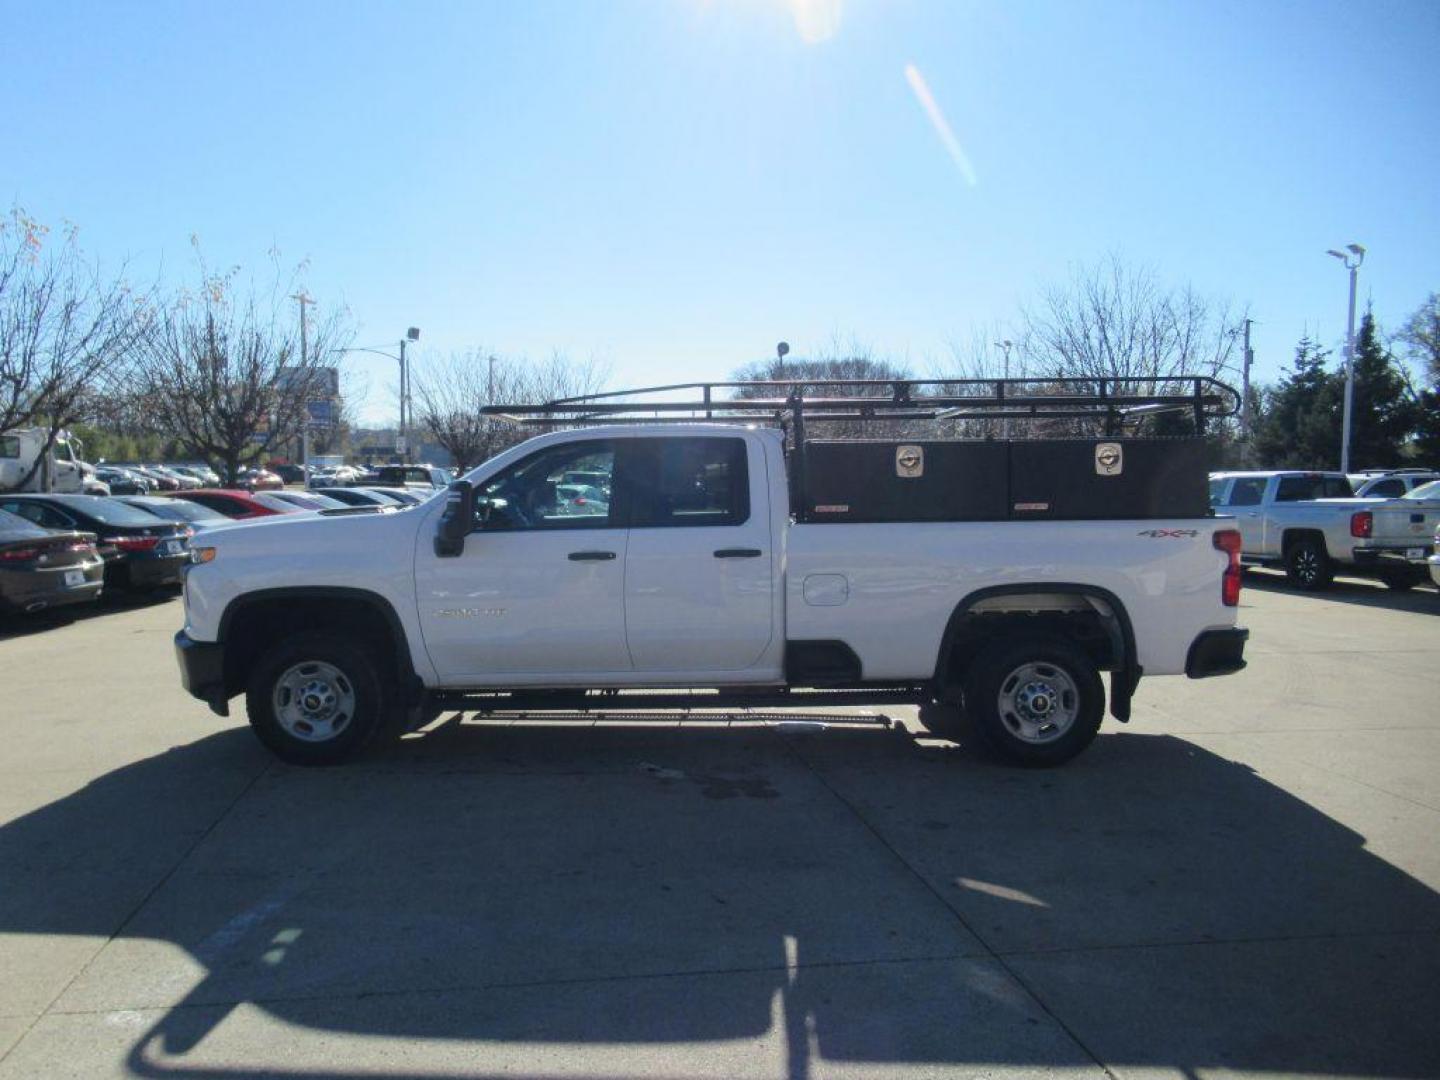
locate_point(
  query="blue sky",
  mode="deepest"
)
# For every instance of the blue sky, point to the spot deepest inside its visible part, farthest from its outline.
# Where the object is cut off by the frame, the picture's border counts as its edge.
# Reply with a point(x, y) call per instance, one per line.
point(674, 186)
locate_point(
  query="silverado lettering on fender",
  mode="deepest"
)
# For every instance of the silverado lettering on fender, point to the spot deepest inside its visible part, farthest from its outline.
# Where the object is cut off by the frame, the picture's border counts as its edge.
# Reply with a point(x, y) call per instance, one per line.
point(985, 579)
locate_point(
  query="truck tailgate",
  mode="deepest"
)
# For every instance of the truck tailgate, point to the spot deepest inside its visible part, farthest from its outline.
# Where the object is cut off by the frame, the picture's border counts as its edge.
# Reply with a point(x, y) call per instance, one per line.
point(1404, 523)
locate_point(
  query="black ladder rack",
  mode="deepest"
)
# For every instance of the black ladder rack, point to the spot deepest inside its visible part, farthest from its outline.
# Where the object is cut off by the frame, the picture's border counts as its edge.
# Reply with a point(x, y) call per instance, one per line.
point(791, 405)
point(1108, 401)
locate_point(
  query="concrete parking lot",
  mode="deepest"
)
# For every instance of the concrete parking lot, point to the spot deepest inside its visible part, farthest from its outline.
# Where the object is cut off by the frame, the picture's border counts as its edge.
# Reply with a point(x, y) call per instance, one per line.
point(1242, 881)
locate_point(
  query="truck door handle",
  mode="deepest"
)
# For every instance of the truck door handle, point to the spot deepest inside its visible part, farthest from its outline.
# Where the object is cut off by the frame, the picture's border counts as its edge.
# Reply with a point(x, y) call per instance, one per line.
point(738, 553)
point(590, 556)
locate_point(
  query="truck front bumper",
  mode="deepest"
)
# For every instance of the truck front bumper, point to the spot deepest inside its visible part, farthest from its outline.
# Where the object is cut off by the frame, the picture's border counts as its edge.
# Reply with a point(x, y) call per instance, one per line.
point(1217, 652)
point(202, 671)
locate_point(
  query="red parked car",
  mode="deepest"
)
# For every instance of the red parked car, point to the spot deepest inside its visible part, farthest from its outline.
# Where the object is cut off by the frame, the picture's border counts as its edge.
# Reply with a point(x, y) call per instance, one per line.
point(259, 480)
point(233, 503)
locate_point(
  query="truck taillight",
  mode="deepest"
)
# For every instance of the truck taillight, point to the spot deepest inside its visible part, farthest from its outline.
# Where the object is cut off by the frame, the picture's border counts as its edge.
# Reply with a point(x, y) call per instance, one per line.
point(1362, 524)
point(1228, 541)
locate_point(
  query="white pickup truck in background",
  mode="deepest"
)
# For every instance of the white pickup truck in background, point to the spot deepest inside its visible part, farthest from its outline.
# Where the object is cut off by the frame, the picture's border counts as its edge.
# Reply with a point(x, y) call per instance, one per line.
point(702, 579)
point(1310, 524)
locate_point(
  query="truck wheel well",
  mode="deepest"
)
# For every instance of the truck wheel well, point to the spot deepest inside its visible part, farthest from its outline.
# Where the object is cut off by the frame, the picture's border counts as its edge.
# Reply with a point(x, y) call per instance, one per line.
point(253, 624)
point(1290, 537)
point(1092, 618)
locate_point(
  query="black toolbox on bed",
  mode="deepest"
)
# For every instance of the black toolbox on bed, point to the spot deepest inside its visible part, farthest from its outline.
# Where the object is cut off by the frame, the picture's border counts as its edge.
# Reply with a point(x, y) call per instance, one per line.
point(1070, 479)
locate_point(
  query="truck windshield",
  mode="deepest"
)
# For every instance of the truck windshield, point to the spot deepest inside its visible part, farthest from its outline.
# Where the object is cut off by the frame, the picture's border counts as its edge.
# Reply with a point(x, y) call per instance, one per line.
point(1424, 491)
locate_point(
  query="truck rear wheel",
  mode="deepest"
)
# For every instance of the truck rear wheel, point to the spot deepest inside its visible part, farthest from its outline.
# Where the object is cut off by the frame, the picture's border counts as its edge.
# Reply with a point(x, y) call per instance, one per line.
point(314, 698)
point(1035, 701)
point(1308, 565)
point(1402, 579)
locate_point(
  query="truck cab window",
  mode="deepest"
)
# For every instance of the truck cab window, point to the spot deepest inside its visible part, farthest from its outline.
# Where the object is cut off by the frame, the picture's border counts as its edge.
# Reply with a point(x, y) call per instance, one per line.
point(561, 487)
point(1248, 491)
point(691, 482)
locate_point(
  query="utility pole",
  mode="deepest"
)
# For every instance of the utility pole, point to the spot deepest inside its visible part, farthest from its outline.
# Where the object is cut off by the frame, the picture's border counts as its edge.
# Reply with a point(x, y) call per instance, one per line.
point(1248, 359)
point(305, 301)
point(412, 334)
point(1357, 251)
point(1007, 345)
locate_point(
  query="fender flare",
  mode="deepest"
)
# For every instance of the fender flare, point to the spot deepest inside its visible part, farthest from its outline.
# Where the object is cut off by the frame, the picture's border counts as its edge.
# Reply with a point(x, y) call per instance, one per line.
point(1123, 680)
point(409, 679)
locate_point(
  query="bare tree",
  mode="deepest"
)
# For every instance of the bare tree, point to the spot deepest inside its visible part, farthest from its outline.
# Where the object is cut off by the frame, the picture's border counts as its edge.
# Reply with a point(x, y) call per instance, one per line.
point(222, 373)
point(65, 329)
point(835, 362)
point(450, 394)
point(1420, 337)
point(1119, 322)
point(1116, 322)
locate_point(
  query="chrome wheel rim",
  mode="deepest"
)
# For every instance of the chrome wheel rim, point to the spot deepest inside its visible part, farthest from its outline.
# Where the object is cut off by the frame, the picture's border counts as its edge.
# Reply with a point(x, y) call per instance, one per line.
point(313, 701)
point(1038, 702)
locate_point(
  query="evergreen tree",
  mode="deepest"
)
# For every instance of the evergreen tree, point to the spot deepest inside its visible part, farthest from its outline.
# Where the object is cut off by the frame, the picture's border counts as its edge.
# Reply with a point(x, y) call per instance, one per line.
point(1384, 409)
point(1299, 422)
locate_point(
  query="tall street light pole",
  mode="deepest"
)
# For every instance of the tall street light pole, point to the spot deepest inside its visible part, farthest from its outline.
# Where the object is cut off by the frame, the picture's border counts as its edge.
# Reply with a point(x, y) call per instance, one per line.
point(406, 409)
point(1007, 345)
point(1352, 263)
point(305, 300)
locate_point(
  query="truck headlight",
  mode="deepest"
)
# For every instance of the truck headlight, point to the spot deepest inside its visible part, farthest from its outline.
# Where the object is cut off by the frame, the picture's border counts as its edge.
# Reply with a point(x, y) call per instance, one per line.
point(202, 555)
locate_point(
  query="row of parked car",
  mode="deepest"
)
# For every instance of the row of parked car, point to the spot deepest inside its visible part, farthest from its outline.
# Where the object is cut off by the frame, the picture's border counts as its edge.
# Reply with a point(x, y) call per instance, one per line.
point(63, 549)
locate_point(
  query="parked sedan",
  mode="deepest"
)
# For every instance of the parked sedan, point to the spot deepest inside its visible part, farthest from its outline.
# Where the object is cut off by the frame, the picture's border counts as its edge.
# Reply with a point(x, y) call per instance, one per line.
point(123, 481)
point(404, 496)
point(357, 496)
point(180, 476)
point(183, 511)
point(140, 551)
point(259, 480)
point(161, 481)
point(234, 504)
point(299, 500)
point(45, 568)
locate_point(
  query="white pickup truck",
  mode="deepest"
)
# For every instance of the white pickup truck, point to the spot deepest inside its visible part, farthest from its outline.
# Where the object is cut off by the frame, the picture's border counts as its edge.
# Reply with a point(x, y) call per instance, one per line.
point(699, 578)
point(1308, 523)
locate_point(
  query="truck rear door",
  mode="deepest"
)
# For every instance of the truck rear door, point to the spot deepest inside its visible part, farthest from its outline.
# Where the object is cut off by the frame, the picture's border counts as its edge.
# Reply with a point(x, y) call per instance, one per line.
point(699, 568)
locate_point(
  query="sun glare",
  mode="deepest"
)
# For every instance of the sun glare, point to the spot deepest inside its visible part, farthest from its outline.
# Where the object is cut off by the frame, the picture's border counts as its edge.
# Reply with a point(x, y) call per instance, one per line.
point(816, 20)
point(940, 124)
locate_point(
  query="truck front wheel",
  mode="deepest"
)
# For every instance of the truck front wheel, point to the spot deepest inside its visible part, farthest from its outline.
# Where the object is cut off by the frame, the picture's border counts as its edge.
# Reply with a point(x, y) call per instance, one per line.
point(315, 698)
point(1035, 701)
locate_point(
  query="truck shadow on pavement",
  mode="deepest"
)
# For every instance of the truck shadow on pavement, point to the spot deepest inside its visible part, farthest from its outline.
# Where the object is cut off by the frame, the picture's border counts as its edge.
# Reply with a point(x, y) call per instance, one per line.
point(857, 895)
point(1422, 599)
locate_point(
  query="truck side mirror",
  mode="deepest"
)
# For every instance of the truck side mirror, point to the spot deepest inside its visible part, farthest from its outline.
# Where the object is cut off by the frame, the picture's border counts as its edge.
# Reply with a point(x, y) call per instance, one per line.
point(457, 520)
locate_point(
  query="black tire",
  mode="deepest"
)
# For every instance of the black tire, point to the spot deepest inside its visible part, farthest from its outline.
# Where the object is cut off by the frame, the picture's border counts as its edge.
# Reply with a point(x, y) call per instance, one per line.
point(1056, 668)
point(1308, 565)
point(343, 664)
point(1402, 579)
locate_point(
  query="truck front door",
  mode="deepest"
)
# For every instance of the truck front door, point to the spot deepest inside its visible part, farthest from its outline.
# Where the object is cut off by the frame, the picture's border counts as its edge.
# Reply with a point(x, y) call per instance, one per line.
point(699, 576)
point(538, 593)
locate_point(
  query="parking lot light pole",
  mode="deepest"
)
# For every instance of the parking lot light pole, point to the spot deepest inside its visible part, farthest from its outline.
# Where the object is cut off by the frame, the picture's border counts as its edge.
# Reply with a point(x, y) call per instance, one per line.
point(412, 334)
point(1007, 345)
point(1352, 263)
